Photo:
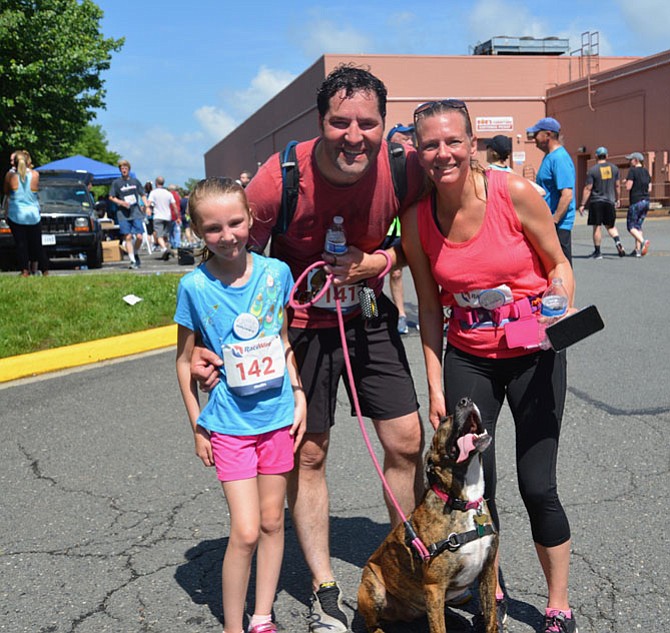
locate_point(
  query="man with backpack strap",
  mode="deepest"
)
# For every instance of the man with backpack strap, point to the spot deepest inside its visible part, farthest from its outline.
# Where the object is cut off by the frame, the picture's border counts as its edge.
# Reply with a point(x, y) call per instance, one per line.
point(346, 171)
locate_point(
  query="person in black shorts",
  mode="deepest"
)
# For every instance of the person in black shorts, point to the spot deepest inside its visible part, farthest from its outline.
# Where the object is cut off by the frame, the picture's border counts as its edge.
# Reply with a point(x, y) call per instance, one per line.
point(638, 184)
point(601, 194)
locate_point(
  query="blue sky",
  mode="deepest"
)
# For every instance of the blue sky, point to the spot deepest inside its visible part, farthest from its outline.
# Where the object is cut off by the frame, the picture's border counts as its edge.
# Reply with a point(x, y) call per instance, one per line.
point(190, 72)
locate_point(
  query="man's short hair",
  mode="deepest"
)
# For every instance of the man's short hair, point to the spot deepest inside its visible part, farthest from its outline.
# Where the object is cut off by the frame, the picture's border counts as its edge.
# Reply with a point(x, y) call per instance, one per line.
point(122, 162)
point(160, 181)
point(351, 79)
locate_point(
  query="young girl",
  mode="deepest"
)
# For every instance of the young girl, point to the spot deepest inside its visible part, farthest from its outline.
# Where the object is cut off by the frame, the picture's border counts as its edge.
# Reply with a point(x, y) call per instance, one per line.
point(255, 418)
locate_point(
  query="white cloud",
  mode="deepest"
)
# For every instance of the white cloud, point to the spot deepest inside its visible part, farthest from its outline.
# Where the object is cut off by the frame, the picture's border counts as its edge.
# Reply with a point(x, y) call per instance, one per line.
point(401, 19)
point(491, 18)
point(178, 157)
point(265, 85)
point(214, 121)
point(322, 36)
point(647, 19)
point(158, 152)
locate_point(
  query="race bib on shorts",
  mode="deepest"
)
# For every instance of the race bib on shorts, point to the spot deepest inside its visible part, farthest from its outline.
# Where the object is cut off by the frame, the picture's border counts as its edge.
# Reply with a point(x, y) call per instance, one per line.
point(348, 296)
point(255, 365)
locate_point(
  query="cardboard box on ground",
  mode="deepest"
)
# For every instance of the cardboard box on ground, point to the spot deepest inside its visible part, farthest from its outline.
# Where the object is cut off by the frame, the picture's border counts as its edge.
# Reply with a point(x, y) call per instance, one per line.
point(111, 251)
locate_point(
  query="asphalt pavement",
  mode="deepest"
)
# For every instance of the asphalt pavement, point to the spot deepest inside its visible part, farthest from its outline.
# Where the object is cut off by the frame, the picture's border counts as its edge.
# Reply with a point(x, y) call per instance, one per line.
point(108, 522)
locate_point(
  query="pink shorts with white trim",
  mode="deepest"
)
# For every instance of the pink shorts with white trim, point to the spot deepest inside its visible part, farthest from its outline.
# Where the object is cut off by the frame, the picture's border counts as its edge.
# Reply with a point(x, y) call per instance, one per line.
point(246, 456)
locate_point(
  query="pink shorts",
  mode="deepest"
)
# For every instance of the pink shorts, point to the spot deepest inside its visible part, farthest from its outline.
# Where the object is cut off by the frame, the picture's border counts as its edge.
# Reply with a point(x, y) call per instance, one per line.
point(245, 456)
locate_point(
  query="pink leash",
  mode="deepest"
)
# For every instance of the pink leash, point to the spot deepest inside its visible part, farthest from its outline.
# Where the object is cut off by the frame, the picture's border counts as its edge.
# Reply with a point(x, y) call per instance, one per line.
point(416, 542)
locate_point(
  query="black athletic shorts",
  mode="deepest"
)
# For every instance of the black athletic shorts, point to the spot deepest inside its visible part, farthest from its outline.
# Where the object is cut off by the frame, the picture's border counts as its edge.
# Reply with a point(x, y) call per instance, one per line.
point(381, 371)
point(602, 213)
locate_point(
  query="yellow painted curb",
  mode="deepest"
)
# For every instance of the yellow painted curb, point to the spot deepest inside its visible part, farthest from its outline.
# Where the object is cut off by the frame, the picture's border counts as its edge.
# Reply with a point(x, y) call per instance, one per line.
point(48, 360)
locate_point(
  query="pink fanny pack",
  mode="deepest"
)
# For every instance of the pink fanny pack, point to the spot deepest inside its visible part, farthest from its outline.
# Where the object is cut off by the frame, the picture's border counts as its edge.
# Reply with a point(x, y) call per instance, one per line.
point(511, 312)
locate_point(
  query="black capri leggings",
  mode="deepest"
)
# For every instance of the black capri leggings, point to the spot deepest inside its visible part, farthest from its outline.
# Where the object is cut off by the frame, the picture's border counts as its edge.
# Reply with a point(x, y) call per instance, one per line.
point(535, 387)
point(28, 240)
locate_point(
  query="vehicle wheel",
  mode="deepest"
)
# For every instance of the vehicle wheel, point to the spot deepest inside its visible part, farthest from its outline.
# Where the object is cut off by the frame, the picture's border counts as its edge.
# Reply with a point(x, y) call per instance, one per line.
point(94, 256)
point(8, 262)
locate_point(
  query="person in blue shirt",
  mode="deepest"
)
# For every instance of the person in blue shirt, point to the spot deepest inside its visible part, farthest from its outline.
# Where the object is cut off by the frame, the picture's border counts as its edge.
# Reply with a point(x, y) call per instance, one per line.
point(556, 176)
point(235, 302)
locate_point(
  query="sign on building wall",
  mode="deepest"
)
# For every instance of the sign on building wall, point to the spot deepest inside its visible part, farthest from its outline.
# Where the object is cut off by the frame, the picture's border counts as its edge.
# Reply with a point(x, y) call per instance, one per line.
point(494, 124)
point(518, 157)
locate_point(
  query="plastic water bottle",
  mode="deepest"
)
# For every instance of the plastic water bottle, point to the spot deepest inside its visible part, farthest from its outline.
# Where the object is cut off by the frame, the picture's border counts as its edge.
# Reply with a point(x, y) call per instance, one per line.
point(554, 305)
point(336, 239)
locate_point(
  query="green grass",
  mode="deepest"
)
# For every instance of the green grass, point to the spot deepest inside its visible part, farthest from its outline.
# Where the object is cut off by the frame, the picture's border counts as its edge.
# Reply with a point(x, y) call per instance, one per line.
point(44, 312)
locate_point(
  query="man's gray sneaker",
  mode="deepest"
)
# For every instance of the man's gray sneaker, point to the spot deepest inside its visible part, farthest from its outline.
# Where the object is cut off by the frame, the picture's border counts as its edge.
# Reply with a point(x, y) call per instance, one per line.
point(325, 610)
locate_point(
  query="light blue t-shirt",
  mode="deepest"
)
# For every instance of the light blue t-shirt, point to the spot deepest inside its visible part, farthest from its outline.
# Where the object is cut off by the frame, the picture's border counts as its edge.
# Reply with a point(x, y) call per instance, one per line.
point(557, 172)
point(207, 306)
point(24, 207)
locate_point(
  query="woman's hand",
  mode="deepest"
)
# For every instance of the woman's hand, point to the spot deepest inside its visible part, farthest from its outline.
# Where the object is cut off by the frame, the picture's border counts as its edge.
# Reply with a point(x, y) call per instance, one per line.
point(437, 409)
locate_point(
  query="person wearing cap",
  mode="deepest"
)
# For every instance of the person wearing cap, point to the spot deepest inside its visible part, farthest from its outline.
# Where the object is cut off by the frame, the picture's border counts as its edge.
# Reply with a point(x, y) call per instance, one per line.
point(556, 176)
point(403, 134)
point(601, 194)
point(498, 150)
point(638, 184)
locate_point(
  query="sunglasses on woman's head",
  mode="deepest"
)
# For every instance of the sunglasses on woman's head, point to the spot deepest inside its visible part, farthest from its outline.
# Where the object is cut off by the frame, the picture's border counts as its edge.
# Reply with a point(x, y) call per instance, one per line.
point(429, 106)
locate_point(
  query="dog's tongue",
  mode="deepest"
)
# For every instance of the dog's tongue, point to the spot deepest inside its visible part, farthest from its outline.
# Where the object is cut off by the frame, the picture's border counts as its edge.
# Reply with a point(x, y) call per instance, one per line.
point(466, 445)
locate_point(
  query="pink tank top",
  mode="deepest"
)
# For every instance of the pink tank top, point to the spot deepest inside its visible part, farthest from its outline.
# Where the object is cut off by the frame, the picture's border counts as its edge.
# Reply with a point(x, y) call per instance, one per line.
point(497, 257)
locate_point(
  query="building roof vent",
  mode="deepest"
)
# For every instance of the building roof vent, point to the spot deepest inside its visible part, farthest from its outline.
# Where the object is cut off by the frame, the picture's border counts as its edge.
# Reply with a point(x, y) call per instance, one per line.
point(524, 45)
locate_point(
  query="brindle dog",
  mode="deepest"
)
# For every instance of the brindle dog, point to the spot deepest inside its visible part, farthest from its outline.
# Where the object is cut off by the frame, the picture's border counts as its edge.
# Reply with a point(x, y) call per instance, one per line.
point(453, 522)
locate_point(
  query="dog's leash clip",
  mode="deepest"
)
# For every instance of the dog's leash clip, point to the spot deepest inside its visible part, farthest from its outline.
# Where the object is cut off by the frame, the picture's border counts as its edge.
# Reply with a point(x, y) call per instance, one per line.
point(416, 542)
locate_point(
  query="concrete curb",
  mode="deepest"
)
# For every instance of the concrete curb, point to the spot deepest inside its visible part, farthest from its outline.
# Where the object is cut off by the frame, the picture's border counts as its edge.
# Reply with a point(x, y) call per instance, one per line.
point(15, 367)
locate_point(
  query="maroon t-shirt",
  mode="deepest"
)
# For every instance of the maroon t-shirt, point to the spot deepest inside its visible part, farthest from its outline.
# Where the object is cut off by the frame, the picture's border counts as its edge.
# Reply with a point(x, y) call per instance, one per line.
point(368, 208)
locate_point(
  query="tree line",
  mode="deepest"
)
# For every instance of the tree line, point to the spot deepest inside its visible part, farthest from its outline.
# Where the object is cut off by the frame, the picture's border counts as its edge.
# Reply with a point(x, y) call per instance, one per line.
point(52, 57)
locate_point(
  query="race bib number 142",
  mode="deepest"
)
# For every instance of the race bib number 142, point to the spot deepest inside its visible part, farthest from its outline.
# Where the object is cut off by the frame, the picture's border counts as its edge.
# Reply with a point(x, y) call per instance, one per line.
point(255, 365)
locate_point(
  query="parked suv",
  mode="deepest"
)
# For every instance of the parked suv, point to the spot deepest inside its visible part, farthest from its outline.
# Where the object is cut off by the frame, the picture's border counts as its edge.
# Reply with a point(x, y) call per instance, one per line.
point(69, 222)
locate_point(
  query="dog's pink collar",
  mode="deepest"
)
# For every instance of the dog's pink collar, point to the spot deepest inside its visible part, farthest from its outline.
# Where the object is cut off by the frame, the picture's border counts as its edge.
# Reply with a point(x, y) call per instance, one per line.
point(458, 504)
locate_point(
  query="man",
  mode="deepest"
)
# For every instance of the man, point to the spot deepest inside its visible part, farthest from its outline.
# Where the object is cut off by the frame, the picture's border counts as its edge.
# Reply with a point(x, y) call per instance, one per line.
point(345, 171)
point(557, 177)
point(245, 178)
point(638, 184)
point(601, 193)
point(403, 134)
point(126, 193)
point(164, 207)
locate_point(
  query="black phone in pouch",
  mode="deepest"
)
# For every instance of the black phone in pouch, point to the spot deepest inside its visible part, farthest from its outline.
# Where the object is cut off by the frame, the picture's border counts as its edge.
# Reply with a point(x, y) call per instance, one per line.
point(574, 328)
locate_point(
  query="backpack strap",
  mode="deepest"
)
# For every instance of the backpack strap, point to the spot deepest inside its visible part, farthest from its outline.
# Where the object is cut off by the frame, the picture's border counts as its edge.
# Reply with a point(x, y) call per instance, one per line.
point(290, 178)
point(398, 162)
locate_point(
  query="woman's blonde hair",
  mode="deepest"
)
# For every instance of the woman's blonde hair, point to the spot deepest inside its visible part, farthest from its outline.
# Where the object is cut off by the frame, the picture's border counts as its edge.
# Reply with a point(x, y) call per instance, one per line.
point(207, 188)
point(23, 163)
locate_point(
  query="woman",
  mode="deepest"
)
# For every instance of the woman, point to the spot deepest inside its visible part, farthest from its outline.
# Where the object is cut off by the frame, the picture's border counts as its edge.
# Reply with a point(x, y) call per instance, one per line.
point(23, 215)
point(483, 244)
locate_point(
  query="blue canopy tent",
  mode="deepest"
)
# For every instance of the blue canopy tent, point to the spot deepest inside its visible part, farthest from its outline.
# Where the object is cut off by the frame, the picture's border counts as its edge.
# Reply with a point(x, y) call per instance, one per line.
point(102, 173)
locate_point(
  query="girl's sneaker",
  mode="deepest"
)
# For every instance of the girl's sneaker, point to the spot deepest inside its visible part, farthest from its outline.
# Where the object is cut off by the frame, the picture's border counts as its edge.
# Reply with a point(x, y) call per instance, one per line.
point(266, 627)
point(559, 622)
